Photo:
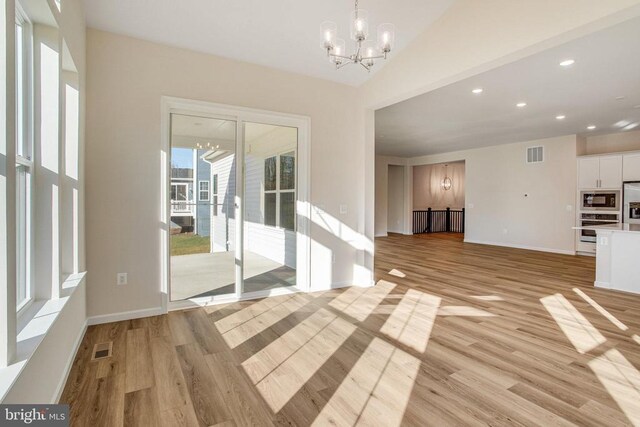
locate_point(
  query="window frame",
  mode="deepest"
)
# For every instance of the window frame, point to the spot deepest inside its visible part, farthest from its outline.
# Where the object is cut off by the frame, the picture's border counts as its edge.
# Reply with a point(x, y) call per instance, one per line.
point(24, 160)
point(278, 191)
point(200, 190)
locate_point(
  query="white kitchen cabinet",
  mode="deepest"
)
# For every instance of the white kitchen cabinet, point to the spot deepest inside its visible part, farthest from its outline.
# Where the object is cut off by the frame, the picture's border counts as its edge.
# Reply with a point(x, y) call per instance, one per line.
point(631, 167)
point(588, 172)
point(611, 171)
point(600, 172)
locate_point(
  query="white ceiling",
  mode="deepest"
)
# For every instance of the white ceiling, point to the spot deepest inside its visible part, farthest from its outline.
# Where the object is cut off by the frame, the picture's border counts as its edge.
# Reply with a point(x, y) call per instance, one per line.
point(452, 118)
point(282, 34)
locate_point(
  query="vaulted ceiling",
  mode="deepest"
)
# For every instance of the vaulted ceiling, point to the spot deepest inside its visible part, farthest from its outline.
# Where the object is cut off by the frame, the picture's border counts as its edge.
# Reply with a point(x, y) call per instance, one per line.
point(283, 34)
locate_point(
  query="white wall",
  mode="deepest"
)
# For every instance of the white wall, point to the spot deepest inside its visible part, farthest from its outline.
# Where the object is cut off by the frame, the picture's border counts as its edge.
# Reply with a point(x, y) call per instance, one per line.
point(43, 374)
point(613, 142)
point(428, 191)
point(395, 199)
point(510, 203)
point(127, 78)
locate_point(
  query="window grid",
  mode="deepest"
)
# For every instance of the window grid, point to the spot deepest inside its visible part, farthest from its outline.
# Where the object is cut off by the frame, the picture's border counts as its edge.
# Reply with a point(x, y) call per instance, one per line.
point(203, 191)
point(273, 217)
point(24, 160)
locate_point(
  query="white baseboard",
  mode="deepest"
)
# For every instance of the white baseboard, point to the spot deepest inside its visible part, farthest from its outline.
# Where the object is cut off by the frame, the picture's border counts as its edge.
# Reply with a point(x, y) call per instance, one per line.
point(69, 364)
point(381, 235)
point(530, 248)
point(600, 284)
point(125, 315)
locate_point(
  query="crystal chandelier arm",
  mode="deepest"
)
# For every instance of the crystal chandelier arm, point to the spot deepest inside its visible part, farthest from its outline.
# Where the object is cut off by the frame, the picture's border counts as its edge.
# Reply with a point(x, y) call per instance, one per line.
point(365, 66)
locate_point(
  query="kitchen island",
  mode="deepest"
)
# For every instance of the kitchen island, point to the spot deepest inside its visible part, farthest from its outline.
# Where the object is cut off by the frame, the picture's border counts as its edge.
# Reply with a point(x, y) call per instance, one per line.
point(617, 256)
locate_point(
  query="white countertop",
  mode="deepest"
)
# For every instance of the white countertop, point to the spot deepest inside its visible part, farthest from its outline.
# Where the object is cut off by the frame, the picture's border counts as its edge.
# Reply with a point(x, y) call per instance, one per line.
point(624, 228)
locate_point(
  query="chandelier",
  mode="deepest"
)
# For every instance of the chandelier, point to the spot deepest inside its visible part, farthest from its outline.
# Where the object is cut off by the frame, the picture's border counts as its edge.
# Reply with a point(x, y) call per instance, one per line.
point(446, 181)
point(366, 51)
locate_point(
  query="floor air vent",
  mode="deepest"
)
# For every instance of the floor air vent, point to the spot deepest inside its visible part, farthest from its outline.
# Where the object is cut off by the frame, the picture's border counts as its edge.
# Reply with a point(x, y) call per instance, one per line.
point(102, 350)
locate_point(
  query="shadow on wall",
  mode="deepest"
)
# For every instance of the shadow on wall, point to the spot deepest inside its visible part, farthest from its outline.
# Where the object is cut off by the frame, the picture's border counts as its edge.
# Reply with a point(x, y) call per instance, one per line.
point(428, 191)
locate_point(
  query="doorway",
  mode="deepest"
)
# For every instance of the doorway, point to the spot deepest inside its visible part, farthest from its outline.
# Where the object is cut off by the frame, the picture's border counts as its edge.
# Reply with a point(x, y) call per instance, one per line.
point(236, 203)
point(439, 198)
point(395, 199)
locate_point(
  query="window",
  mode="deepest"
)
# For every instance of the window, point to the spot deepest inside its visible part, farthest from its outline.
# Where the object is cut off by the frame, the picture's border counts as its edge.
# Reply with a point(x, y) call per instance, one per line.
point(215, 195)
point(24, 162)
point(179, 192)
point(280, 191)
point(203, 193)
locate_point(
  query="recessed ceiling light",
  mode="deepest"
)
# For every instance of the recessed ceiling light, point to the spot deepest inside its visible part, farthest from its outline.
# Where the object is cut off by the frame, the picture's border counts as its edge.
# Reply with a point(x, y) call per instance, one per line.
point(622, 123)
point(567, 63)
point(478, 90)
point(631, 126)
point(619, 98)
point(521, 104)
point(591, 127)
point(560, 117)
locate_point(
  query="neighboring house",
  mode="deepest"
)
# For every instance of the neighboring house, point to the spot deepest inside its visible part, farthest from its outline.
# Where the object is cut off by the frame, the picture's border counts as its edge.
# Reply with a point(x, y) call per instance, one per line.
point(191, 196)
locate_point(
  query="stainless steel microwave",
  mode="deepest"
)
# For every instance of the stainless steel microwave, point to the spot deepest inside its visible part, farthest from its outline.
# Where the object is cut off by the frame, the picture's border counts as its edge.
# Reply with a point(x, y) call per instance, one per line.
point(600, 200)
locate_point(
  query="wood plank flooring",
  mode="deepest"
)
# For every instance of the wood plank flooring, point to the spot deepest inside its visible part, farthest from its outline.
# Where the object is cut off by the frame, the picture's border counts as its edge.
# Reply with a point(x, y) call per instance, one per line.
point(452, 334)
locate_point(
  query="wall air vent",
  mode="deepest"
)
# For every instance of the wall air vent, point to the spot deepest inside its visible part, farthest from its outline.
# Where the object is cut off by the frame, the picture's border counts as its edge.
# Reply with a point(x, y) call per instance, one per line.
point(535, 154)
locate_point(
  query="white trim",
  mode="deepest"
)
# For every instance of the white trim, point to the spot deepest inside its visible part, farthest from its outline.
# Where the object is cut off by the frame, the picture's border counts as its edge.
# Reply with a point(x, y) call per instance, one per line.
point(344, 284)
point(526, 247)
point(601, 284)
point(200, 190)
point(230, 298)
point(125, 315)
point(67, 369)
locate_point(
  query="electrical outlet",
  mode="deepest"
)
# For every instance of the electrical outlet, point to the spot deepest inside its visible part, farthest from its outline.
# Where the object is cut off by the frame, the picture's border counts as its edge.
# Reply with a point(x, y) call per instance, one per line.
point(122, 279)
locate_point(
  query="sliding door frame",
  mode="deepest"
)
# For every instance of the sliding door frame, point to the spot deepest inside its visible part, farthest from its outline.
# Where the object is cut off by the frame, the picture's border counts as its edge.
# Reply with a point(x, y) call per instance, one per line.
point(241, 115)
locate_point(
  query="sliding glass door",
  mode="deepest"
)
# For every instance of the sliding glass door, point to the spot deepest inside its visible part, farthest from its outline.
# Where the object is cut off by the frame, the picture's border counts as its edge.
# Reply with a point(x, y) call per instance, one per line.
point(235, 197)
point(203, 214)
point(269, 247)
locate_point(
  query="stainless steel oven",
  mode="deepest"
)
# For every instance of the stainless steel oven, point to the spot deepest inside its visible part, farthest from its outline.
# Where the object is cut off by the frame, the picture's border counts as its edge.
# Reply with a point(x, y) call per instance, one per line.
point(631, 202)
point(588, 219)
point(600, 200)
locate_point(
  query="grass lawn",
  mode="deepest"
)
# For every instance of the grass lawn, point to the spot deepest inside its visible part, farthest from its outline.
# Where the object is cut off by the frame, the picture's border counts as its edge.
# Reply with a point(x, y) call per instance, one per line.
point(189, 243)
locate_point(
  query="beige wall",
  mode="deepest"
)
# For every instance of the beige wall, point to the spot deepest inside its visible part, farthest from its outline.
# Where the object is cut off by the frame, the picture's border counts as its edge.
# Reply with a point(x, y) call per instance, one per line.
point(395, 199)
point(428, 191)
point(127, 78)
point(613, 143)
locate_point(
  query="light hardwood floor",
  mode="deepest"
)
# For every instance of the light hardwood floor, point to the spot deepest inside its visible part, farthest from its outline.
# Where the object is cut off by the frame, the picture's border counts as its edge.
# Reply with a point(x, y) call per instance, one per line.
point(452, 334)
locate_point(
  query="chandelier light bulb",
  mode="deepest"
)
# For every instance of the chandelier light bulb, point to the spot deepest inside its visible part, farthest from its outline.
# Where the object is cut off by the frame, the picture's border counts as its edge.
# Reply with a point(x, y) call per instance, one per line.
point(385, 37)
point(329, 31)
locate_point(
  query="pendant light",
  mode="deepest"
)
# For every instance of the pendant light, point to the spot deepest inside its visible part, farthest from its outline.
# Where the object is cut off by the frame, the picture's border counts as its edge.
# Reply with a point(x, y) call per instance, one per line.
point(446, 181)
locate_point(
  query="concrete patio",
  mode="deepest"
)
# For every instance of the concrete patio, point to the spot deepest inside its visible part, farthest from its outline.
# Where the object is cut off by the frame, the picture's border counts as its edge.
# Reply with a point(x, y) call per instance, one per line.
point(201, 275)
